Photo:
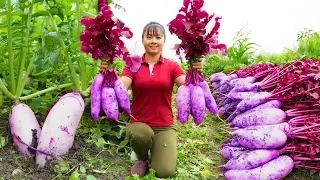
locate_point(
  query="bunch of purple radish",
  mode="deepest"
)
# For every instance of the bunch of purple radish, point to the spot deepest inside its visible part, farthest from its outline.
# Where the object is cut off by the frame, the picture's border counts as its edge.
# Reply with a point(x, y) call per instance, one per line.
point(194, 98)
point(107, 94)
point(274, 122)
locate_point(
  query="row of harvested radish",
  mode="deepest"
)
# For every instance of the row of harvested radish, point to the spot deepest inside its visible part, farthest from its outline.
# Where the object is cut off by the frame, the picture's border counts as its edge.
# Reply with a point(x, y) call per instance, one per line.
point(274, 122)
point(256, 132)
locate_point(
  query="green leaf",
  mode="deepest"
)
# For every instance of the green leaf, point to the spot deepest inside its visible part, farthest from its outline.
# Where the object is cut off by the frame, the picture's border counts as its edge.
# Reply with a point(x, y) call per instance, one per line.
point(123, 143)
point(26, 92)
point(101, 142)
point(82, 169)
point(91, 177)
point(1, 98)
point(3, 142)
point(74, 176)
point(40, 13)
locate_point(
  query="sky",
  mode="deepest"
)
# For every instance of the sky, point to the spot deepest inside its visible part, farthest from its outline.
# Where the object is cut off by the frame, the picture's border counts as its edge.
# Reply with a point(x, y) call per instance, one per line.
point(273, 24)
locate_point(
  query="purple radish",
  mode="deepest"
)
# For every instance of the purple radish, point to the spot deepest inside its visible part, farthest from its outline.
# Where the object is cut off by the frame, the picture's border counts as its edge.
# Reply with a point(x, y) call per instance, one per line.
point(224, 88)
point(109, 103)
point(227, 109)
point(209, 99)
point(217, 76)
point(265, 116)
point(251, 159)
point(216, 85)
point(245, 95)
point(275, 169)
point(268, 104)
point(224, 83)
point(183, 103)
point(232, 142)
point(59, 128)
point(250, 103)
point(122, 96)
point(284, 126)
point(95, 96)
point(246, 87)
point(228, 78)
point(230, 152)
point(260, 138)
point(197, 103)
point(24, 128)
point(241, 81)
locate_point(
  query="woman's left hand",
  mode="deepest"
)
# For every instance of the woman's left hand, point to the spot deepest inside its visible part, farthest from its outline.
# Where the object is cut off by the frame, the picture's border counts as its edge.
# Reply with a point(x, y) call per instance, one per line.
point(198, 65)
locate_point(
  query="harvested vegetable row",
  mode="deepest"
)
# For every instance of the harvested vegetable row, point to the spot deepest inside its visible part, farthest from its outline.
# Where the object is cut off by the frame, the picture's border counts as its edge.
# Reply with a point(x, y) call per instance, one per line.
point(194, 97)
point(101, 39)
point(277, 116)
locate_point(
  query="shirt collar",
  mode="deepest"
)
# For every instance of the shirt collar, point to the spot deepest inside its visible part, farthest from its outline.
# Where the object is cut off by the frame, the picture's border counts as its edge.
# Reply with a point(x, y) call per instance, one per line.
point(161, 59)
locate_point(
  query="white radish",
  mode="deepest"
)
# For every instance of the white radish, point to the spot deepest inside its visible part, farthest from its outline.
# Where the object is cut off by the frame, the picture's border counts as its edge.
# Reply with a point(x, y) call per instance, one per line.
point(25, 129)
point(59, 129)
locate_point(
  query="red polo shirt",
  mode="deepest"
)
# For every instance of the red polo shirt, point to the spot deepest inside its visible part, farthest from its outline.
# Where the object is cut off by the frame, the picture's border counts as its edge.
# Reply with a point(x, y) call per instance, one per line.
point(152, 92)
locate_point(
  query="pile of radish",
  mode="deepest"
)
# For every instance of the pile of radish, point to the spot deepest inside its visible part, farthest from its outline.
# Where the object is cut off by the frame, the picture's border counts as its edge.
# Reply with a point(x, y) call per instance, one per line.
point(273, 112)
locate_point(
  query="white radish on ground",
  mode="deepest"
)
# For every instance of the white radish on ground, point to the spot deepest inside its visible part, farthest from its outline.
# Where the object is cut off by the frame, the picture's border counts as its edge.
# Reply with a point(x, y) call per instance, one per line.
point(24, 128)
point(60, 126)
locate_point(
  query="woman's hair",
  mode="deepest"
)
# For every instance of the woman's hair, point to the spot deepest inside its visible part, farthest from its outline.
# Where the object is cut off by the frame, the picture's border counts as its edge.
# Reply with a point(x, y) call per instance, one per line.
point(153, 28)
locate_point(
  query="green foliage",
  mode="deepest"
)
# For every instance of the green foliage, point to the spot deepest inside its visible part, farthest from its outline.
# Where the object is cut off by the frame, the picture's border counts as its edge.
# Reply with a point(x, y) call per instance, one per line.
point(309, 44)
point(3, 141)
point(240, 54)
point(51, 41)
point(243, 53)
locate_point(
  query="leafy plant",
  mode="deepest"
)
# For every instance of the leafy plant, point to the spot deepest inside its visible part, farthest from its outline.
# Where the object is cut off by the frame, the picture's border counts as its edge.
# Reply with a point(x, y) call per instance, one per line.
point(240, 54)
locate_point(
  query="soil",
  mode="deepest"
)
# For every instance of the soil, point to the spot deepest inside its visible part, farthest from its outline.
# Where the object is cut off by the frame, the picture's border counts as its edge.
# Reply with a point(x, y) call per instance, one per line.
point(14, 166)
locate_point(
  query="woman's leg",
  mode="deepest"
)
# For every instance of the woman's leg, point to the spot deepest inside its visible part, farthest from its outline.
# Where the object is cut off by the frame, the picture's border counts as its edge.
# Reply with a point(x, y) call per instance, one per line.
point(140, 136)
point(164, 153)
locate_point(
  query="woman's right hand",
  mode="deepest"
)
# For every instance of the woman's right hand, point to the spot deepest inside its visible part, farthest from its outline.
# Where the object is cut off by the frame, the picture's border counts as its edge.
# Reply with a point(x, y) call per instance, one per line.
point(103, 66)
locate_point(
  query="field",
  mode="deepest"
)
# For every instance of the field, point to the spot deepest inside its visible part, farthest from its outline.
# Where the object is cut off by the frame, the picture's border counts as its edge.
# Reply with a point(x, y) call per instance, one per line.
point(41, 60)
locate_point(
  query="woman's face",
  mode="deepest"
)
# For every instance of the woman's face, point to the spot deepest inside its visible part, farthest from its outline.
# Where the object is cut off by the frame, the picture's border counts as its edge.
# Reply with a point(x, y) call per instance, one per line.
point(153, 41)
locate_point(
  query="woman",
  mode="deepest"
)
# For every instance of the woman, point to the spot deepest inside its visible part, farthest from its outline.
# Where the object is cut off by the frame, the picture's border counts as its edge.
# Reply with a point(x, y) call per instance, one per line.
point(152, 126)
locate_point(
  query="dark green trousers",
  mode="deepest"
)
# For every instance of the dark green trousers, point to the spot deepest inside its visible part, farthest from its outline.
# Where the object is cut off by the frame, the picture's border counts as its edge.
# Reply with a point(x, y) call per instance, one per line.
point(162, 141)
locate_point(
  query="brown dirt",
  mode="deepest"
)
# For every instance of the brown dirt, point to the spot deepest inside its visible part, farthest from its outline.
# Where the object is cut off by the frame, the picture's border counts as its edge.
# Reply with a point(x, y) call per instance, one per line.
point(78, 155)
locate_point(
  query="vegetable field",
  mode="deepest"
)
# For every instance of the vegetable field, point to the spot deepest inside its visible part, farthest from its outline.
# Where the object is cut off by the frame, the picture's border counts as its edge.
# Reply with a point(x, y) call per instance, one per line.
point(45, 102)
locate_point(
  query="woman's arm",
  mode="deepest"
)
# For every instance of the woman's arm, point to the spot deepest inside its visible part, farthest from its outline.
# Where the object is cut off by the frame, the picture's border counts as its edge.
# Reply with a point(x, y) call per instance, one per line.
point(126, 81)
point(180, 80)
